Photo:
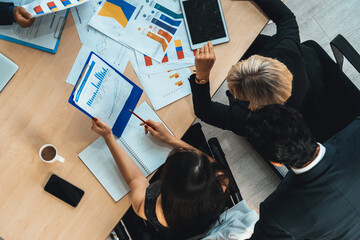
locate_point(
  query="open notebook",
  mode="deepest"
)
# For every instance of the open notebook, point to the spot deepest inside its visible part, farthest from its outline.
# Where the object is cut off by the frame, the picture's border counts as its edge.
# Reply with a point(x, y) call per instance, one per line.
point(147, 152)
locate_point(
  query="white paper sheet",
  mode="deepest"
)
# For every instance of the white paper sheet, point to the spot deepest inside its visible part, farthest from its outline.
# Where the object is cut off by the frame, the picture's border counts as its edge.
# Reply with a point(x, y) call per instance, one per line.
point(111, 51)
point(82, 15)
point(39, 8)
point(102, 92)
point(167, 87)
point(146, 26)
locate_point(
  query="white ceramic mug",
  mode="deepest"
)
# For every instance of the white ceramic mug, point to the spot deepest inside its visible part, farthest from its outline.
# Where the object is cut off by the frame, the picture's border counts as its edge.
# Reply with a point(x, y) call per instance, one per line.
point(56, 156)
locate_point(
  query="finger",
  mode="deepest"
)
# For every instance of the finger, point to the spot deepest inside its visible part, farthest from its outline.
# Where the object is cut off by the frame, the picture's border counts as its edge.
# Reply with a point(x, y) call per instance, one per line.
point(152, 131)
point(197, 53)
point(151, 123)
point(24, 13)
point(206, 49)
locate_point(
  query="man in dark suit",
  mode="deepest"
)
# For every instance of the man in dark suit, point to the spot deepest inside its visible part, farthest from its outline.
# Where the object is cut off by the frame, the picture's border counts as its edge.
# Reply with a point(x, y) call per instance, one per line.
point(10, 14)
point(320, 196)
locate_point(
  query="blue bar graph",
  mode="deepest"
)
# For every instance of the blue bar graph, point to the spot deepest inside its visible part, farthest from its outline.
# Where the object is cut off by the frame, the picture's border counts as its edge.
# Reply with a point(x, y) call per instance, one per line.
point(100, 76)
point(169, 20)
point(163, 25)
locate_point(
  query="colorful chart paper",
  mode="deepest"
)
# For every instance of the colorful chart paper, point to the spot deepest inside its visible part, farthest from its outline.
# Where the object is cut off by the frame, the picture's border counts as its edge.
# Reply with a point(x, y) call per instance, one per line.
point(167, 87)
point(147, 26)
point(52, 6)
point(178, 55)
point(38, 10)
point(120, 10)
point(44, 7)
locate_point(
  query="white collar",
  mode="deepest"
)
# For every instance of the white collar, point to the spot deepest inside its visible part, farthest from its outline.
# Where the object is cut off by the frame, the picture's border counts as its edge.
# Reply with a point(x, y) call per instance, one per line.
point(313, 163)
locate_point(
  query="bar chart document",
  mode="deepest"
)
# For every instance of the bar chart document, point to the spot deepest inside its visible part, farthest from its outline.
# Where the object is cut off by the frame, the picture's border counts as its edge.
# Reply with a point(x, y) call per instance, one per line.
point(167, 87)
point(145, 25)
point(39, 8)
point(178, 55)
point(44, 34)
point(106, 94)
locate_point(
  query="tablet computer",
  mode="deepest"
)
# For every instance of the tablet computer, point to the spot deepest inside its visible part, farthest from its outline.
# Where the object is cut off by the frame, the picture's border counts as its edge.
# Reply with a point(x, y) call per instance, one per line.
point(204, 21)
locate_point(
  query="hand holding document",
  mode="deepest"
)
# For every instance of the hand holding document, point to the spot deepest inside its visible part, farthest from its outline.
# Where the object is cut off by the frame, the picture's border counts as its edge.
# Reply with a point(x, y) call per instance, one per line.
point(42, 7)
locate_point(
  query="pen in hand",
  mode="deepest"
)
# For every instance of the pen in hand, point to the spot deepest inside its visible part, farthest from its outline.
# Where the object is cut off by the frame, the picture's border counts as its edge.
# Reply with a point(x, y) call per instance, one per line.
point(138, 117)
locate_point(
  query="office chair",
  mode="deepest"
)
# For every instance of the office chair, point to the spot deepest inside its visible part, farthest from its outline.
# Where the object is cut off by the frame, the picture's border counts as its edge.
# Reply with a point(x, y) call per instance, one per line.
point(133, 227)
point(339, 102)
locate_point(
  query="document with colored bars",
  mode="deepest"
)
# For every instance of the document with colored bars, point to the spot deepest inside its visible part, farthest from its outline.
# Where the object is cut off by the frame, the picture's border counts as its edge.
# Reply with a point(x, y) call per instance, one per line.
point(39, 8)
point(178, 55)
point(145, 25)
point(167, 87)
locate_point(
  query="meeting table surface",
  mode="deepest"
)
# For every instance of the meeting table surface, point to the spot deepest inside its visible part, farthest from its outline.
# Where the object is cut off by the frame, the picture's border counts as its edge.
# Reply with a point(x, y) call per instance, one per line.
point(34, 111)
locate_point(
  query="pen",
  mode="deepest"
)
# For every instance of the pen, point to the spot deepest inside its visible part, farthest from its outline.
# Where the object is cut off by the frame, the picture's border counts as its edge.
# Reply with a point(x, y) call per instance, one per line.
point(138, 116)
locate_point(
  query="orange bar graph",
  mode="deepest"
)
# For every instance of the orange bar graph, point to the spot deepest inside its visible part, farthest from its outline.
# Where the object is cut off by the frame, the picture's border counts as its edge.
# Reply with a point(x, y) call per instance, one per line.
point(165, 35)
point(158, 39)
point(174, 75)
point(179, 83)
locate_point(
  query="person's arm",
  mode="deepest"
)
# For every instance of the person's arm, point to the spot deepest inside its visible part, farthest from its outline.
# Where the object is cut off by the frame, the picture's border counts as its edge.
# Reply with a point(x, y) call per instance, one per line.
point(131, 173)
point(158, 130)
point(281, 15)
point(213, 113)
point(10, 14)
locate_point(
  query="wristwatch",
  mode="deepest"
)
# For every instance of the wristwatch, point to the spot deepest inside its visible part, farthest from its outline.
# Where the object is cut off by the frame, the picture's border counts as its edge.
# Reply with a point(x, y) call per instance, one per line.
point(202, 81)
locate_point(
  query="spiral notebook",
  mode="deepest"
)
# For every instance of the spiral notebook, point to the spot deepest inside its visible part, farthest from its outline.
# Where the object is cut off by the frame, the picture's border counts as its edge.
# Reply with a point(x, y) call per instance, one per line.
point(146, 151)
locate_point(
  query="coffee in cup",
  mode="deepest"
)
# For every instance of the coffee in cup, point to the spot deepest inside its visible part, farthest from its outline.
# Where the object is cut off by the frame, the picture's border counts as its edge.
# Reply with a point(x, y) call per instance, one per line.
point(48, 153)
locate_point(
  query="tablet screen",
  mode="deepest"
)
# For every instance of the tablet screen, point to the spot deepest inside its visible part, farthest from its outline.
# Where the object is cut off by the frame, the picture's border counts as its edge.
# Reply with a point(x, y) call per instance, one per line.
point(204, 20)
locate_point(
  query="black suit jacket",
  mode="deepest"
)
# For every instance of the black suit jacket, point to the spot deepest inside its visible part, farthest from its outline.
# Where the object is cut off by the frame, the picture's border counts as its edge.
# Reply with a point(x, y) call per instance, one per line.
point(5, 15)
point(323, 203)
point(284, 46)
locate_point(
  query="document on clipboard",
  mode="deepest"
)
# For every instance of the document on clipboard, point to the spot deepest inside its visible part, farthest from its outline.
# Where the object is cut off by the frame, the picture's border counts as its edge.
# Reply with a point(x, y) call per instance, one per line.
point(103, 92)
point(44, 34)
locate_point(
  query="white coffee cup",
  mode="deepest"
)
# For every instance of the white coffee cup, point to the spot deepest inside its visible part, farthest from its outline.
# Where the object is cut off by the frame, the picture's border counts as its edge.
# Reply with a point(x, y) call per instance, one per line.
point(49, 154)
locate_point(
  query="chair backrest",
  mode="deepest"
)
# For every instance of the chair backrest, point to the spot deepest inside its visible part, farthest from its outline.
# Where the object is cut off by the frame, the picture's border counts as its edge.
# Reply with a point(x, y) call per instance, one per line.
point(339, 101)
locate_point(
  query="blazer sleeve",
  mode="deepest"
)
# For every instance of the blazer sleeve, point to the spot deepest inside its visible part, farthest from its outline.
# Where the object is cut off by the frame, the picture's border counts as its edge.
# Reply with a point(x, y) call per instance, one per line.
point(6, 15)
point(281, 15)
point(267, 228)
point(214, 113)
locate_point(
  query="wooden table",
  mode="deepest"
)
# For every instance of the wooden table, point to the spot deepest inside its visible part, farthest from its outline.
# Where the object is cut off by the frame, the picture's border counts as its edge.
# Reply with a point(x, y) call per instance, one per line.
point(34, 111)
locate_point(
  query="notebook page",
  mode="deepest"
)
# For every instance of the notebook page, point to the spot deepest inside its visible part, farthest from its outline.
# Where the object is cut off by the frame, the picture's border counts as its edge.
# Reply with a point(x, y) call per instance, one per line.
point(149, 150)
point(98, 159)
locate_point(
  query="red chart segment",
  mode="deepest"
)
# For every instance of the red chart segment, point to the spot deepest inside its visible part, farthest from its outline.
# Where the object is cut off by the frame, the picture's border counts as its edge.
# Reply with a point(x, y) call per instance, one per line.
point(165, 59)
point(148, 61)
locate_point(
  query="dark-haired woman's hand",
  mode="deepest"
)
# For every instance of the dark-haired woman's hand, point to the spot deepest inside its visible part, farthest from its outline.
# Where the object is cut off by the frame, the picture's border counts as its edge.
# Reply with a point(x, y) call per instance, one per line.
point(204, 61)
point(102, 129)
point(158, 130)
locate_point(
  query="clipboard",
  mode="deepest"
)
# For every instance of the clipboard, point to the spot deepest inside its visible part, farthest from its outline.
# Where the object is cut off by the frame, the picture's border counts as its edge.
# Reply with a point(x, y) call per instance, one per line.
point(130, 103)
point(57, 35)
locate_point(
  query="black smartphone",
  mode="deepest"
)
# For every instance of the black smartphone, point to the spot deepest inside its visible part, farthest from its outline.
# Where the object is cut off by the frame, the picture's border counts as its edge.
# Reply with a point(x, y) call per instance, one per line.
point(64, 190)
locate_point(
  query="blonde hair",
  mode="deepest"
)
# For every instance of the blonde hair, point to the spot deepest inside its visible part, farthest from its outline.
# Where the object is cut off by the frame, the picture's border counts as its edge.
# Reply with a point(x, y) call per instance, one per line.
point(261, 81)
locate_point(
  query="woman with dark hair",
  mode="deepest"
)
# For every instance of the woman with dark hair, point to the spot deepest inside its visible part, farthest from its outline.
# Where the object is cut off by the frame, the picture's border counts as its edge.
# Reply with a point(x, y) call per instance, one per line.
point(190, 194)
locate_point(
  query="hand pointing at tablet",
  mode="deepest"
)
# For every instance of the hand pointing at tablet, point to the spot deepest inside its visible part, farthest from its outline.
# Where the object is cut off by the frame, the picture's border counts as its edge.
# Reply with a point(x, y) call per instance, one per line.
point(204, 61)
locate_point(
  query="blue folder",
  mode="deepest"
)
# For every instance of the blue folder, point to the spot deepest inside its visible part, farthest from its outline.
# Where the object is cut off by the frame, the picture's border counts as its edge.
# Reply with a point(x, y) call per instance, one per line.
point(18, 41)
point(130, 103)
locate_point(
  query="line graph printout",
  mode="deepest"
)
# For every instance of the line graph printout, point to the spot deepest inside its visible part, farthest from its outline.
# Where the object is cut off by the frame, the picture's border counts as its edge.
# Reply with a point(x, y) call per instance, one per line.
point(178, 55)
point(145, 25)
point(39, 8)
point(167, 87)
point(102, 92)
